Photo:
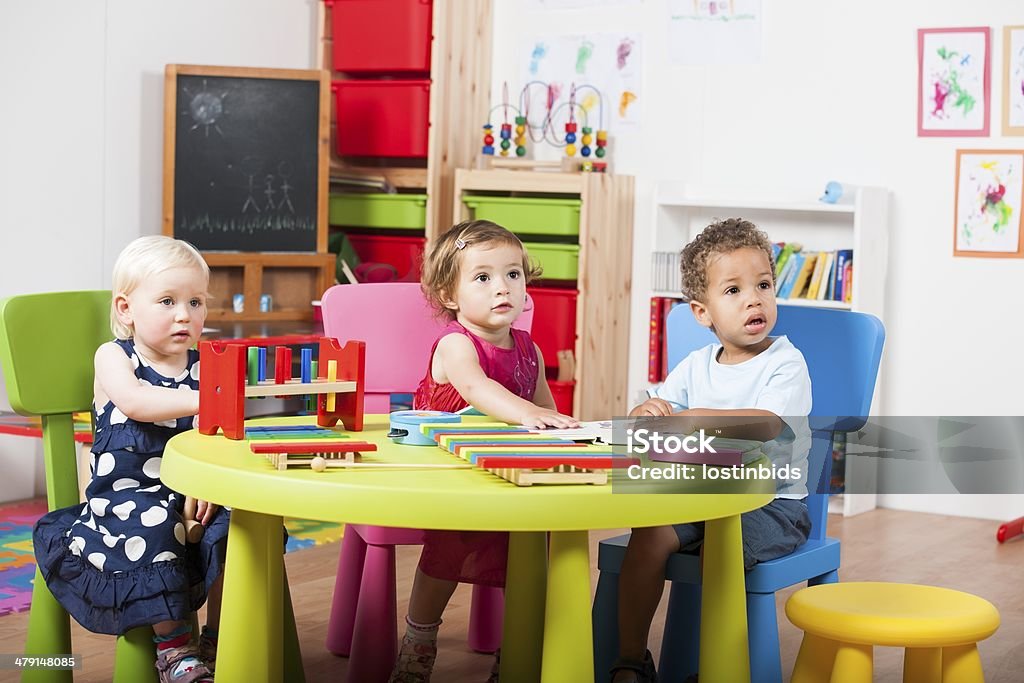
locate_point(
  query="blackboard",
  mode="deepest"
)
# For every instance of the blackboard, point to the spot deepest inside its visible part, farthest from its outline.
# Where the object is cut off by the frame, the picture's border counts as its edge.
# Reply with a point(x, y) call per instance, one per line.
point(245, 165)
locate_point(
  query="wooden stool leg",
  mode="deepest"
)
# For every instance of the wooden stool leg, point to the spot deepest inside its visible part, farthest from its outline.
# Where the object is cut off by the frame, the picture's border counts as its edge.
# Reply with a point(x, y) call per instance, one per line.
point(815, 659)
point(922, 665)
point(962, 664)
point(854, 663)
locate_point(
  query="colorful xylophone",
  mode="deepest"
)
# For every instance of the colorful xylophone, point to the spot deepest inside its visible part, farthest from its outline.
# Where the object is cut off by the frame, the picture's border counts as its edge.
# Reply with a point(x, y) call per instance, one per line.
point(523, 457)
point(226, 383)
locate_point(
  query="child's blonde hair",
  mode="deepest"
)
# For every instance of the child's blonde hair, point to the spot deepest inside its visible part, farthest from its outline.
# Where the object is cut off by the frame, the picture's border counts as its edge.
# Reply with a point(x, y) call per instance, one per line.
point(143, 258)
point(721, 237)
point(441, 266)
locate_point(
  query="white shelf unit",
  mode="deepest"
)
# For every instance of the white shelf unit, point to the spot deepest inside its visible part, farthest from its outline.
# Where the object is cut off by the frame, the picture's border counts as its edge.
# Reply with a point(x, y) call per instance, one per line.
point(680, 213)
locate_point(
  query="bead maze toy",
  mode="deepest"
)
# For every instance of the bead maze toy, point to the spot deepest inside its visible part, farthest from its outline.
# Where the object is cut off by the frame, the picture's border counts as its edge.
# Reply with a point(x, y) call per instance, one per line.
point(545, 131)
point(336, 382)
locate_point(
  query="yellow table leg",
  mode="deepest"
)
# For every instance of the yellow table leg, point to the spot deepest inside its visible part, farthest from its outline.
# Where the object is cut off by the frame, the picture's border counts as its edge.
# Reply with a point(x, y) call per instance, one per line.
point(249, 647)
point(922, 665)
point(568, 634)
point(724, 656)
point(854, 663)
point(962, 664)
point(523, 630)
point(815, 659)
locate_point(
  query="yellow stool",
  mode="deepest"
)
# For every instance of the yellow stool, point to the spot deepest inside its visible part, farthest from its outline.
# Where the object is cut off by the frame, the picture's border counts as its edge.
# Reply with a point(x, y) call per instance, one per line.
point(938, 627)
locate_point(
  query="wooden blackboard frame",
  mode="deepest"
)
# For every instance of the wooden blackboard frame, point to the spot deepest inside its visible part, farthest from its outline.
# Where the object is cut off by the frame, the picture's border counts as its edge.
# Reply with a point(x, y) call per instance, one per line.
point(172, 71)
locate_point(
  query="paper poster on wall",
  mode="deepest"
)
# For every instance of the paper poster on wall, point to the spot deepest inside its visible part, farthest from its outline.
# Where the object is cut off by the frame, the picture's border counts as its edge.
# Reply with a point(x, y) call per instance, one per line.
point(989, 193)
point(953, 88)
point(714, 32)
point(1013, 67)
point(579, 4)
point(605, 68)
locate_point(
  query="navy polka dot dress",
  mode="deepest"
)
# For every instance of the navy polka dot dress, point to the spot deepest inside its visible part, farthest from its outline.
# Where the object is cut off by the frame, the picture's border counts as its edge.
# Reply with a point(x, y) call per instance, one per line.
point(121, 560)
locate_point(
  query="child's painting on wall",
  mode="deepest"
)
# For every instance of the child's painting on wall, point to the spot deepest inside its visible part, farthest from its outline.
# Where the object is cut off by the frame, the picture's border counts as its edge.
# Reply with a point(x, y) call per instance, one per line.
point(1013, 67)
point(990, 186)
point(953, 86)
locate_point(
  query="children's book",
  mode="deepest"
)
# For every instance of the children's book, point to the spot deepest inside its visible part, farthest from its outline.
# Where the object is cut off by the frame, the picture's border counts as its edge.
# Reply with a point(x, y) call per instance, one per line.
point(802, 277)
point(786, 286)
point(819, 268)
point(842, 256)
point(825, 286)
point(728, 453)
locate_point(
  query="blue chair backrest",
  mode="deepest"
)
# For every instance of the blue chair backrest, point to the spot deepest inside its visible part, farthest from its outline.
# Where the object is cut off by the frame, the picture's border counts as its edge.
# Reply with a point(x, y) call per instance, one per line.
point(843, 350)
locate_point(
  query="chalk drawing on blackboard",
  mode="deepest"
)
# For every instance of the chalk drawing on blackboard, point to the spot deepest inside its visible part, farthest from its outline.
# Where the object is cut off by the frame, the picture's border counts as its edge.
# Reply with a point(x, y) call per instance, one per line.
point(250, 166)
point(284, 169)
point(205, 108)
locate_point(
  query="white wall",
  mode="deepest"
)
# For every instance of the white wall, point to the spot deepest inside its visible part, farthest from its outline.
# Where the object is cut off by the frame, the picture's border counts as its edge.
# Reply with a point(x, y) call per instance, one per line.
point(834, 97)
point(81, 134)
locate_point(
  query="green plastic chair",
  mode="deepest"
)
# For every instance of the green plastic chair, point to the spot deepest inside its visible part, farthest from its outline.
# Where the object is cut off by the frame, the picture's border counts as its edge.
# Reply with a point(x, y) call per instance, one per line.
point(47, 344)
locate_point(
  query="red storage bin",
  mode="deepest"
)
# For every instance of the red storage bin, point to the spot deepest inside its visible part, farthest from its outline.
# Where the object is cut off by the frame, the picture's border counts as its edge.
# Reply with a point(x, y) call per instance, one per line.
point(382, 118)
point(381, 36)
point(404, 253)
point(554, 321)
point(562, 393)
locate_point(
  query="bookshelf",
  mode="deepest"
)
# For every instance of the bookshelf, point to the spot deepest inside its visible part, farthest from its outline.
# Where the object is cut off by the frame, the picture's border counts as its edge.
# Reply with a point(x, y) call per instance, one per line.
point(681, 212)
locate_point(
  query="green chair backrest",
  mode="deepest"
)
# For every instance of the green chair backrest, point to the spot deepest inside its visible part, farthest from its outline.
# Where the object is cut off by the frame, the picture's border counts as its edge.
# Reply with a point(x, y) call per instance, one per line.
point(47, 345)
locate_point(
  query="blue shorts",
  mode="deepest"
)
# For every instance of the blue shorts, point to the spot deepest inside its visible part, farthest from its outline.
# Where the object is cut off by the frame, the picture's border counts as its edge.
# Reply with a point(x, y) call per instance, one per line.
point(777, 529)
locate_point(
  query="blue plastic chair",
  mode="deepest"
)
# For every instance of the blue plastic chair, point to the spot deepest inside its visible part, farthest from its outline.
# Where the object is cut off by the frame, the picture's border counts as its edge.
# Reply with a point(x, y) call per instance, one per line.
point(843, 351)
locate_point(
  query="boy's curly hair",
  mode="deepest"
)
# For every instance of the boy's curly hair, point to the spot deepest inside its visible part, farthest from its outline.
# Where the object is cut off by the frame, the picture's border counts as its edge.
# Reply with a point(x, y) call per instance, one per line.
point(442, 264)
point(721, 237)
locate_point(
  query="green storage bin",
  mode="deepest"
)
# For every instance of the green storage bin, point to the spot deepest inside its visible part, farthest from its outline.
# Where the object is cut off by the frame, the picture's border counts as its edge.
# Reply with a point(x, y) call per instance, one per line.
point(528, 215)
point(559, 261)
point(378, 210)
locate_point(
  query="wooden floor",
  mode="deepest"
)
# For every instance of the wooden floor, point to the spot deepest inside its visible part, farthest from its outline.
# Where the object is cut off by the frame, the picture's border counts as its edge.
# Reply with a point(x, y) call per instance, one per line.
point(885, 545)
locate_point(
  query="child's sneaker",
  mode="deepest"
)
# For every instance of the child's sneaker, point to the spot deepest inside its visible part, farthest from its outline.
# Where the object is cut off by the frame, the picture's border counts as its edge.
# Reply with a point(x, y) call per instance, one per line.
point(642, 672)
point(415, 662)
point(208, 650)
point(182, 665)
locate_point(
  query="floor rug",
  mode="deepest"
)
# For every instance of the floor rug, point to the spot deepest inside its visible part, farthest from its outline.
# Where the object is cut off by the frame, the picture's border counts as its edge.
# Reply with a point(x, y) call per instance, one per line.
point(18, 567)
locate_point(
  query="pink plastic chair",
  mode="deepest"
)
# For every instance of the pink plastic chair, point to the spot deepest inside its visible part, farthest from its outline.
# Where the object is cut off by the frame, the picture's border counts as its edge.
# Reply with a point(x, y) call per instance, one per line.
point(399, 329)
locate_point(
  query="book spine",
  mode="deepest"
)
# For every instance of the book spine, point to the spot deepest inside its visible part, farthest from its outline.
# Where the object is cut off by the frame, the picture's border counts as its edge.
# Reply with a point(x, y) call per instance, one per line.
point(653, 349)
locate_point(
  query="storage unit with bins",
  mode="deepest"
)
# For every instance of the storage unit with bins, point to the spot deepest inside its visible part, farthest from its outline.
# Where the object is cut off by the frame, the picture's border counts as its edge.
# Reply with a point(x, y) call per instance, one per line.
point(383, 228)
point(579, 227)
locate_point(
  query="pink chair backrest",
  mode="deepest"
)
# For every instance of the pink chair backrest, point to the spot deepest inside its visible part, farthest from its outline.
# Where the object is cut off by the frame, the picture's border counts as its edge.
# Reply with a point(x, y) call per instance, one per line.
point(399, 329)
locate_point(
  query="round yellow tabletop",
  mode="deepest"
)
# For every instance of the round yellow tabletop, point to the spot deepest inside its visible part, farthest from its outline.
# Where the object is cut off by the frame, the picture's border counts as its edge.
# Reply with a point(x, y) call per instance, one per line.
point(547, 634)
point(226, 472)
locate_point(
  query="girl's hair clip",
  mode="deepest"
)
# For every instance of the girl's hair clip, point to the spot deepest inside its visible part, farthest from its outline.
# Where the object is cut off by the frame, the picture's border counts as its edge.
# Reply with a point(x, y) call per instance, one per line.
point(459, 244)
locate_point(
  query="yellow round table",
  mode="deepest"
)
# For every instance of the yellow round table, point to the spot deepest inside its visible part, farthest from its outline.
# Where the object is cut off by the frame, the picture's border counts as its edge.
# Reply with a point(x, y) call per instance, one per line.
point(547, 634)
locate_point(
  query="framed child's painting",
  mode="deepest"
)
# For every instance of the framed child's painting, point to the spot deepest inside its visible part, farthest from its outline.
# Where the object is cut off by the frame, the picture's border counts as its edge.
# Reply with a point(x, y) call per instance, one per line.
point(953, 81)
point(1013, 68)
point(989, 193)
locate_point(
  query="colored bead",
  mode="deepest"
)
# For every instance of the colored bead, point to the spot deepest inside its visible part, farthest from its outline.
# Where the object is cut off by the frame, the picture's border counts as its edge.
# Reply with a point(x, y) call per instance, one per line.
point(488, 139)
point(587, 138)
point(599, 152)
point(520, 151)
point(520, 130)
point(504, 152)
point(585, 151)
point(570, 127)
point(587, 130)
point(505, 144)
point(505, 134)
point(521, 120)
point(602, 143)
point(602, 135)
point(521, 140)
point(570, 137)
point(570, 150)
point(488, 149)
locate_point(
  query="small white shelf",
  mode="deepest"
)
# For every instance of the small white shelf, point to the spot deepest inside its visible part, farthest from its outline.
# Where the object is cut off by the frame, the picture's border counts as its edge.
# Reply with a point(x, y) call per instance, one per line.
point(804, 207)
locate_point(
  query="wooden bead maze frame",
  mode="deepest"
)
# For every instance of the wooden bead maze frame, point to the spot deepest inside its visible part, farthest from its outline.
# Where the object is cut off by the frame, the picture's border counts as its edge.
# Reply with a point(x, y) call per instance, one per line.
point(225, 385)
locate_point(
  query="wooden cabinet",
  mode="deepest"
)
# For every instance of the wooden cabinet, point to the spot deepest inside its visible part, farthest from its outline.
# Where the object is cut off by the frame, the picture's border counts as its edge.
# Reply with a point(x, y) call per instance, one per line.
point(604, 245)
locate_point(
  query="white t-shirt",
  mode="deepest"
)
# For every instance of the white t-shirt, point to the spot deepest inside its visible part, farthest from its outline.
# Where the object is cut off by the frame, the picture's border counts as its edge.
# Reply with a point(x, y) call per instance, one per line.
point(775, 380)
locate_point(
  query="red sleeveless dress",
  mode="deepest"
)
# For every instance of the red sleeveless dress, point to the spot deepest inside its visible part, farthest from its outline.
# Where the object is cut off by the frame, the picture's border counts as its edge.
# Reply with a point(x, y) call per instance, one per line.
point(475, 556)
